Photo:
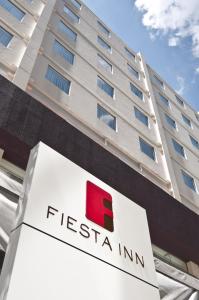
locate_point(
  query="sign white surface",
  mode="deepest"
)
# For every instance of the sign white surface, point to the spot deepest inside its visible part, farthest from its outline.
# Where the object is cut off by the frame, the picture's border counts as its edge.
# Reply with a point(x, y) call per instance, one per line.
point(56, 252)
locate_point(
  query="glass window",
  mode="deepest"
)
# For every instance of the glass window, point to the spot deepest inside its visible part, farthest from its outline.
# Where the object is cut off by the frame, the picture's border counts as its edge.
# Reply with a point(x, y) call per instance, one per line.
point(129, 54)
point(170, 121)
point(69, 32)
point(178, 148)
point(133, 71)
point(5, 37)
point(107, 118)
point(157, 81)
point(147, 149)
point(164, 100)
point(103, 29)
point(194, 142)
point(76, 4)
point(180, 101)
point(186, 120)
point(105, 86)
point(189, 181)
point(71, 14)
point(58, 80)
point(63, 52)
point(103, 44)
point(104, 63)
point(12, 9)
point(136, 91)
point(141, 117)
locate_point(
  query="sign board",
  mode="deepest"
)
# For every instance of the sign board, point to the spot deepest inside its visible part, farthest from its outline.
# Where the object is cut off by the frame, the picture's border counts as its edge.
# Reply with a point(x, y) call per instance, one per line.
point(76, 238)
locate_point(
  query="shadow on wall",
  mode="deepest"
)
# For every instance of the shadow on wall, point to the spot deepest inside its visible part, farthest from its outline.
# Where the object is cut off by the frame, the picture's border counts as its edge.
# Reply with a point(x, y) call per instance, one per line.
point(2, 254)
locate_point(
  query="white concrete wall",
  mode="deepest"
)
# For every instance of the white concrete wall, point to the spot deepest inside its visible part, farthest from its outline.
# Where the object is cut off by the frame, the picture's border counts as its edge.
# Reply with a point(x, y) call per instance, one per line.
point(84, 93)
point(189, 163)
point(11, 56)
point(25, 62)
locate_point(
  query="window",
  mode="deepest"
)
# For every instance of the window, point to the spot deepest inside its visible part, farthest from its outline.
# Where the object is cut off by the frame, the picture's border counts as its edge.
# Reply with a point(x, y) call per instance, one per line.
point(105, 117)
point(164, 100)
point(136, 91)
point(104, 63)
point(5, 37)
point(103, 85)
point(194, 142)
point(71, 14)
point(170, 121)
point(180, 101)
point(129, 54)
point(63, 52)
point(186, 120)
point(157, 81)
point(133, 71)
point(69, 32)
point(147, 149)
point(58, 80)
point(178, 148)
point(103, 44)
point(12, 9)
point(189, 181)
point(141, 117)
point(103, 29)
point(76, 4)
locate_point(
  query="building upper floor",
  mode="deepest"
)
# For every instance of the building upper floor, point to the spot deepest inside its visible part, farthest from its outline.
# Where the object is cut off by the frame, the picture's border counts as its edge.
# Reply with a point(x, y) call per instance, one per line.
point(69, 60)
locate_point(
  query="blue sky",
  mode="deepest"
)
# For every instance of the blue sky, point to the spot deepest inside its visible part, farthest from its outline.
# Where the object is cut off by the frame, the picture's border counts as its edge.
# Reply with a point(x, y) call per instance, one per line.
point(177, 65)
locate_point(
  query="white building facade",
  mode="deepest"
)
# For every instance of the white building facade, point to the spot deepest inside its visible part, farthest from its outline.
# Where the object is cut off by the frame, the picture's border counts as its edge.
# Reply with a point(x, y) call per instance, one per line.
point(64, 56)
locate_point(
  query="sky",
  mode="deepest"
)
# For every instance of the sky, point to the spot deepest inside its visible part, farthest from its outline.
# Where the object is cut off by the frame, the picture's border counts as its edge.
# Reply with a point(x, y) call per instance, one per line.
point(166, 32)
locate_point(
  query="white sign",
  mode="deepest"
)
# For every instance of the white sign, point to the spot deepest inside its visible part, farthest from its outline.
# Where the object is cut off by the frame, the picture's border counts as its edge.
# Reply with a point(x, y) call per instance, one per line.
point(76, 238)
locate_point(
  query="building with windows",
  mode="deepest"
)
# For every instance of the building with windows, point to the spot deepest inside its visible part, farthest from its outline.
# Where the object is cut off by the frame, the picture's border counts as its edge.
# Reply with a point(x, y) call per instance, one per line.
point(58, 59)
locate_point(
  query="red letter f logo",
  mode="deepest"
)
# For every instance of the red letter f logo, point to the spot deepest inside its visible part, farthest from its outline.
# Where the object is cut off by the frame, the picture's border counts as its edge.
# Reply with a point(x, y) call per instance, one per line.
point(99, 206)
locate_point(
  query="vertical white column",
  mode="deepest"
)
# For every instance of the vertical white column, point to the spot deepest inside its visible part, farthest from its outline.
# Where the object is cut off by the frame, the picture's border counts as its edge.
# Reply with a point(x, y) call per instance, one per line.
point(24, 71)
point(161, 136)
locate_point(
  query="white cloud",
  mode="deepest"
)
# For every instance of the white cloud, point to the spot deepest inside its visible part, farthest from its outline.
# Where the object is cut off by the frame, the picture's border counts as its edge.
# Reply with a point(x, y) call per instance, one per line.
point(197, 70)
point(181, 83)
point(108, 119)
point(152, 36)
point(173, 41)
point(179, 18)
